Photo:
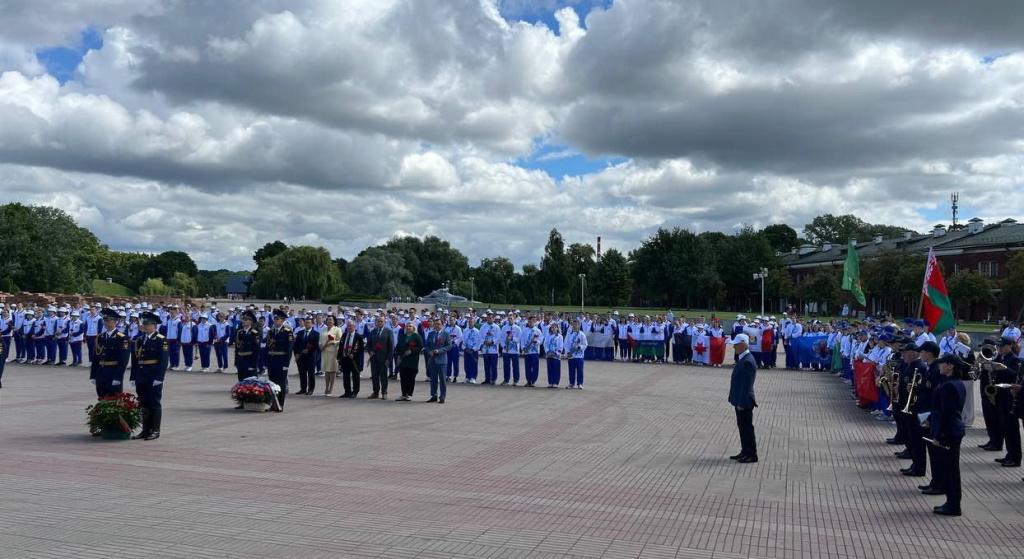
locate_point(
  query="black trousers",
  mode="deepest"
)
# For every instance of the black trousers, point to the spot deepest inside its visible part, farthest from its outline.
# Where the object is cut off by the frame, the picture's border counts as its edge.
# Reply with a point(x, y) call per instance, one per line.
point(349, 375)
point(307, 374)
point(918, 454)
point(745, 422)
point(408, 379)
point(1011, 434)
point(993, 424)
point(946, 471)
point(379, 376)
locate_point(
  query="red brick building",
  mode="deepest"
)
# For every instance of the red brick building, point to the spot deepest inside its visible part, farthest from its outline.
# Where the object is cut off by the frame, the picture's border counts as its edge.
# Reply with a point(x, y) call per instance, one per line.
point(978, 247)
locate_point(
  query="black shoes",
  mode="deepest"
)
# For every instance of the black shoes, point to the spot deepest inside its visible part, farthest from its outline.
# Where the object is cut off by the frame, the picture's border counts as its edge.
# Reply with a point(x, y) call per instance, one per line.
point(1009, 464)
point(141, 436)
point(911, 472)
point(153, 436)
point(903, 454)
point(990, 447)
point(746, 460)
point(440, 401)
point(373, 396)
point(894, 440)
point(932, 491)
point(946, 510)
point(432, 399)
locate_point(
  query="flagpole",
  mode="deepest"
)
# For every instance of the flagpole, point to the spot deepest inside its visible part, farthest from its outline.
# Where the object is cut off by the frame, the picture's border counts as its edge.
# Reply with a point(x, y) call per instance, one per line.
point(924, 284)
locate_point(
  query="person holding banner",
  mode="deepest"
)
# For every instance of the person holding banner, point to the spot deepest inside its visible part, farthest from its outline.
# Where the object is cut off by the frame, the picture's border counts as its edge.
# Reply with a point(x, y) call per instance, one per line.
point(717, 338)
point(701, 346)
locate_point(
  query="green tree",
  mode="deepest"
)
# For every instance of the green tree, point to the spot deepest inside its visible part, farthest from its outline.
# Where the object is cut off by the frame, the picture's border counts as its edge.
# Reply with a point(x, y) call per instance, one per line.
point(555, 271)
point(154, 286)
point(493, 280)
point(42, 249)
point(183, 285)
point(166, 264)
point(267, 251)
point(839, 229)
point(969, 289)
point(431, 262)
point(581, 259)
point(302, 271)
point(380, 271)
point(822, 287)
point(781, 237)
point(125, 268)
point(611, 283)
point(1013, 284)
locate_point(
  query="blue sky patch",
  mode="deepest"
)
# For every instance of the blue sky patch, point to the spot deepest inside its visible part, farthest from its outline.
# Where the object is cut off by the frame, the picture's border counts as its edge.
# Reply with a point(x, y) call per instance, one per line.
point(61, 61)
point(533, 11)
point(558, 161)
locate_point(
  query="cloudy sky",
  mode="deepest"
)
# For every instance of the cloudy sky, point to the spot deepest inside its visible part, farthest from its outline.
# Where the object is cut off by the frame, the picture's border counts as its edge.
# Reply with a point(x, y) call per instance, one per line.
point(214, 127)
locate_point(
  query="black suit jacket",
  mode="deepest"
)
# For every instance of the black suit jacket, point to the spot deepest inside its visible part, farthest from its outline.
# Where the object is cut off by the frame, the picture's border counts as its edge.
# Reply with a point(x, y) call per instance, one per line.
point(306, 344)
point(382, 346)
point(347, 351)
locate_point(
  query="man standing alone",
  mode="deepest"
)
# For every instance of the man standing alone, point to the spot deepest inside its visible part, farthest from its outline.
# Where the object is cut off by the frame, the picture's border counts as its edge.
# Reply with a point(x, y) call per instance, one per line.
point(741, 396)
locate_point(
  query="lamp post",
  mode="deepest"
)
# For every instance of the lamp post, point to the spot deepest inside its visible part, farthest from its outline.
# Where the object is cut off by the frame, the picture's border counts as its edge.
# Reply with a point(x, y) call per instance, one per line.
point(763, 273)
point(583, 282)
point(472, 289)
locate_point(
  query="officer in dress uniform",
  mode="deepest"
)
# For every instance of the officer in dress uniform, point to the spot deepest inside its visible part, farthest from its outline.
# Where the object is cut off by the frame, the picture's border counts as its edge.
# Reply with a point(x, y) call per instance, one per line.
point(946, 427)
point(1005, 369)
point(247, 347)
point(112, 355)
point(279, 355)
point(149, 365)
point(915, 442)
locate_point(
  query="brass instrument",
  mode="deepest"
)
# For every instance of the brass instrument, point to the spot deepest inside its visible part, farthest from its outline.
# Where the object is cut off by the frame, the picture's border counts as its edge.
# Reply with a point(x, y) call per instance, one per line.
point(986, 354)
point(915, 381)
point(889, 380)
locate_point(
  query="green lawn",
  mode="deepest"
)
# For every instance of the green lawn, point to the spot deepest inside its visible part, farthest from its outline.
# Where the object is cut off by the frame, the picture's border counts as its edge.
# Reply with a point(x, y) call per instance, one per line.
point(104, 289)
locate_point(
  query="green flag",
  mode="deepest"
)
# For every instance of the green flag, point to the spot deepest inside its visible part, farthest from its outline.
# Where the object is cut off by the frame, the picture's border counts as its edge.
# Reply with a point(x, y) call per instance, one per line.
point(851, 274)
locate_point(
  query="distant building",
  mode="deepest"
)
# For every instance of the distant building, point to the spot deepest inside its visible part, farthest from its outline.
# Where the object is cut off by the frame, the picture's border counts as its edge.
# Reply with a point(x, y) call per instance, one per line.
point(237, 286)
point(979, 247)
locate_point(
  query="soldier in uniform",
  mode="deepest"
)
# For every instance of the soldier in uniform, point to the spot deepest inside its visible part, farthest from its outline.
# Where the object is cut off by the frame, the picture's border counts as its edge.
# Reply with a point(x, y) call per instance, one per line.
point(279, 355)
point(149, 365)
point(247, 347)
point(947, 431)
point(915, 444)
point(1005, 369)
point(112, 355)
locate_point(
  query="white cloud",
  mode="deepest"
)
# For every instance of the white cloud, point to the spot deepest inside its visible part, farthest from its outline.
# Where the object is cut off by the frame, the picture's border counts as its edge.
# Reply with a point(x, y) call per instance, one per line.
point(215, 128)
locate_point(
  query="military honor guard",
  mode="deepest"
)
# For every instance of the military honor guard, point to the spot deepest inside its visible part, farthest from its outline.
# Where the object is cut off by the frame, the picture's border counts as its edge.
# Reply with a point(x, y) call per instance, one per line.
point(247, 347)
point(112, 355)
point(149, 365)
point(279, 356)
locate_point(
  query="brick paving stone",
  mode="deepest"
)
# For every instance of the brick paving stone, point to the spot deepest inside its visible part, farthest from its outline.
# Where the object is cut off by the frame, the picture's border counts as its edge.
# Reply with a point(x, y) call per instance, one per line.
point(634, 466)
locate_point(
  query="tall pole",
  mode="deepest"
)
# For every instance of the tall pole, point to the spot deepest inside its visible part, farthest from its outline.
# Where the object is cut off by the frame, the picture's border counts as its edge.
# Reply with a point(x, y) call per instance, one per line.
point(472, 289)
point(583, 281)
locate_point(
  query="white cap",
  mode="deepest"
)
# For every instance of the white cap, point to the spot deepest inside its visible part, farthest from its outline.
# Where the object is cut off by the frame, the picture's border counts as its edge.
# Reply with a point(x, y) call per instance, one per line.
point(739, 339)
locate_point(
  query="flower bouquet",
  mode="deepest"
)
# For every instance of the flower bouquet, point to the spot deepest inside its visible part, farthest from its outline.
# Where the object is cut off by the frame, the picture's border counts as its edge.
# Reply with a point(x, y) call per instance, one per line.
point(114, 417)
point(254, 393)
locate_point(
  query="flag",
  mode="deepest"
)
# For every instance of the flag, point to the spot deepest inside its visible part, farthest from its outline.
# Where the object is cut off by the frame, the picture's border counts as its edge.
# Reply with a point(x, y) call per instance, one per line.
point(851, 274)
point(936, 307)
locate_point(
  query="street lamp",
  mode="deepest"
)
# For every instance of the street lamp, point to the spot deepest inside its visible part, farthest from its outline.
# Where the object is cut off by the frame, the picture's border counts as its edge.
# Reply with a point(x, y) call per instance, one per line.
point(763, 273)
point(583, 282)
point(472, 289)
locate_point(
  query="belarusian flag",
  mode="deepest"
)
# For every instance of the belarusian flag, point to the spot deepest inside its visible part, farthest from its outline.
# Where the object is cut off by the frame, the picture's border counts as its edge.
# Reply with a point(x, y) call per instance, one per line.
point(851, 274)
point(935, 305)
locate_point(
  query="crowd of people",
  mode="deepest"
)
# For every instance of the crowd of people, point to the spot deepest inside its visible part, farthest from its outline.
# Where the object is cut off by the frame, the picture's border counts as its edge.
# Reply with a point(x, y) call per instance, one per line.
point(900, 372)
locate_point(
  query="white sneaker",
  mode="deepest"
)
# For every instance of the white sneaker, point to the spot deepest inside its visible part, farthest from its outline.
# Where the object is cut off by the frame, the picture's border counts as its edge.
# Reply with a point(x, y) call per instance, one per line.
point(188, 369)
point(205, 370)
point(471, 381)
point(579, 387)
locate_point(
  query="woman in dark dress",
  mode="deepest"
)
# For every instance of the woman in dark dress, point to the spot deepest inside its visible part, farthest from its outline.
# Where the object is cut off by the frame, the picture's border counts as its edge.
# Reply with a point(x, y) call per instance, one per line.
point(409, 346)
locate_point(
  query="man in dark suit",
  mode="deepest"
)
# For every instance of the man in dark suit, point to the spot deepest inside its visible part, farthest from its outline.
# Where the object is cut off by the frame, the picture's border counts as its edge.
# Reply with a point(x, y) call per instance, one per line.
point(741, 396)
point(307, 342)
point(351, 345)
point(437, 346)
point(381, 345)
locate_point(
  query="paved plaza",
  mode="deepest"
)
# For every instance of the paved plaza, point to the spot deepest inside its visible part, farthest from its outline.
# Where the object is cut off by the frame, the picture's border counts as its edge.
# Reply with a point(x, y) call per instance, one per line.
point(636, 465)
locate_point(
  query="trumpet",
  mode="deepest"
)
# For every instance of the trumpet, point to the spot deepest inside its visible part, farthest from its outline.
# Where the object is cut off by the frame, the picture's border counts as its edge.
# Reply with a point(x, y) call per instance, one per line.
point(915, 381)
